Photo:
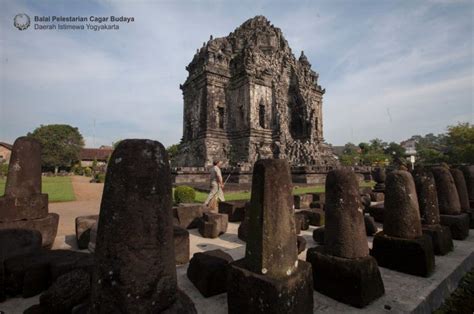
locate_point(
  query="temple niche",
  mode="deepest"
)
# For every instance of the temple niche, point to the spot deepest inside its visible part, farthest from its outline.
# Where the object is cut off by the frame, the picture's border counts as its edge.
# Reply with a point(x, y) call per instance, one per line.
point(247, 97)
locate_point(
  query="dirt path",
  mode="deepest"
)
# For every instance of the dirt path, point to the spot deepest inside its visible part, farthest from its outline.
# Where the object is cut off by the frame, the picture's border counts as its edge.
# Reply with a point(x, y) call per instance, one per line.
point(88, 197)
point(86, 191)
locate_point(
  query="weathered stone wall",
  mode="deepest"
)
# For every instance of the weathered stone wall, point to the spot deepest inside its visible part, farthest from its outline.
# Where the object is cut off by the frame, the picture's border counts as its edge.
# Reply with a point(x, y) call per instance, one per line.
point(247, 98)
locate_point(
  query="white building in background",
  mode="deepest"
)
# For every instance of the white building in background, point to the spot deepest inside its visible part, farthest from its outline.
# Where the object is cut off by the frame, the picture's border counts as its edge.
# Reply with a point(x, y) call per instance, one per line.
point(410, 147)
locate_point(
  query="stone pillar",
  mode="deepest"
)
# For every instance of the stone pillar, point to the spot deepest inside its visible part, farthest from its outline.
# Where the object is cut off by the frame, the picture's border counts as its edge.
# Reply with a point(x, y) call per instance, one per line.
point(342, 267)
point(448, 198)
point(345, 230)
point(401, 245)
point(270, 204)
point(134, 254)
point(429, 211)
point(461, 187)
point(402, 214)
point(24, 171)
point(468, 172)
point(23, 206)
point(270, 279)
point(450, 204)
point(427, 197)
point(379, 176)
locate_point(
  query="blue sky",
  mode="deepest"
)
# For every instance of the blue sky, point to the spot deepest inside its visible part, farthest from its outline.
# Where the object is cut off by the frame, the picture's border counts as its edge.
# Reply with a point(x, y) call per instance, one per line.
point(391, 69)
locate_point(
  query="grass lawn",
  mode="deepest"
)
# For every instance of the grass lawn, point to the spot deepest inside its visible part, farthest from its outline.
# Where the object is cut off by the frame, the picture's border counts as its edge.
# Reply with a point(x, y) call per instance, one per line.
point(236, 196)
point(58, 188)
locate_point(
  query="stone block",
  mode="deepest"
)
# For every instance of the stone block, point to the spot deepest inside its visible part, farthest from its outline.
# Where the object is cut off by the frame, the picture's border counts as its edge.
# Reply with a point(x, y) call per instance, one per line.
point(379, 188)
point(64, 261)
point(248, 292)
point(181, 245)
point(365, 201)
point(370, 227)
point(208, 272)
point(83, 230)
point(67, 291)
point(15, 242)
point(93, 237)
point(352, 281)
point(301, 221)
point(318, 235)
point(300, 243)
point(297, 226)
point(182, 305)
point(302, 200)
point(20, 208)
point(319, 197)
point(243, 230)
point(315, 216)
point(377, 196)
point(27, 275)
point(235, 210)
point(48, 227)
point(317, 204)
point(32, 273)
point(441, 238)
point(470, 212)
point(458, 224)
point(411, 256)
point(377, 211)
point(212, 225)
point(188, 215)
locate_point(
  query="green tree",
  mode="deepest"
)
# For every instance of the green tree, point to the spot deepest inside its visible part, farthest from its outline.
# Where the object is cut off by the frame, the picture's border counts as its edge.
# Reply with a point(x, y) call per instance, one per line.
point(460, 143)
point(377, 145)
point(373, 153)
point(430, 148)
point(172, 151)
point(61, 145)
point(350, 155)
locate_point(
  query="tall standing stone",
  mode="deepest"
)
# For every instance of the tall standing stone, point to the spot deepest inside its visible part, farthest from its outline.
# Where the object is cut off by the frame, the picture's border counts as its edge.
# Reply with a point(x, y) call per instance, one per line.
point(448, 198)
point(24, 206)
point(270, 279)
point(402, 214)
point(429, 211)
point(345, 231)
point(342, 267)
point(461, 187)
point(450, 204)
point(24, 173)
point(468, 172)
point(134, 256)
point(427, 196)
point(401, 245)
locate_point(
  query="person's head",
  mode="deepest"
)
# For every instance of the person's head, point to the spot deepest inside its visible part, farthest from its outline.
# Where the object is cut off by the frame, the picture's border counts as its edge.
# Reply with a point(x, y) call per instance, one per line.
point(217, 163)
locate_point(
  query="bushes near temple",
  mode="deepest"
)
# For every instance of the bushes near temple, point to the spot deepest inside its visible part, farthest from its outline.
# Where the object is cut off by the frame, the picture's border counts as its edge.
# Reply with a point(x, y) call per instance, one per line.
point(184, 194)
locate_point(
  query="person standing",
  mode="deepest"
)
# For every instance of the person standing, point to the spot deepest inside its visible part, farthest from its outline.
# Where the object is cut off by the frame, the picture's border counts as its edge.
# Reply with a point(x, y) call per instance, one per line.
point(217, 187)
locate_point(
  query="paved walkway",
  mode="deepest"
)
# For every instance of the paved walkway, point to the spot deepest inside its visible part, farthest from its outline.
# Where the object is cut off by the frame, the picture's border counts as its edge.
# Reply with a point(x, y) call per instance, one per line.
point(88, 197)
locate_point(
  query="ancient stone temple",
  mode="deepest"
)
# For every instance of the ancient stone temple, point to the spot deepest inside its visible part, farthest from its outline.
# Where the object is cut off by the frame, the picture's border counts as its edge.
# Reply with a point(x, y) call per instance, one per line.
point(247, 97)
